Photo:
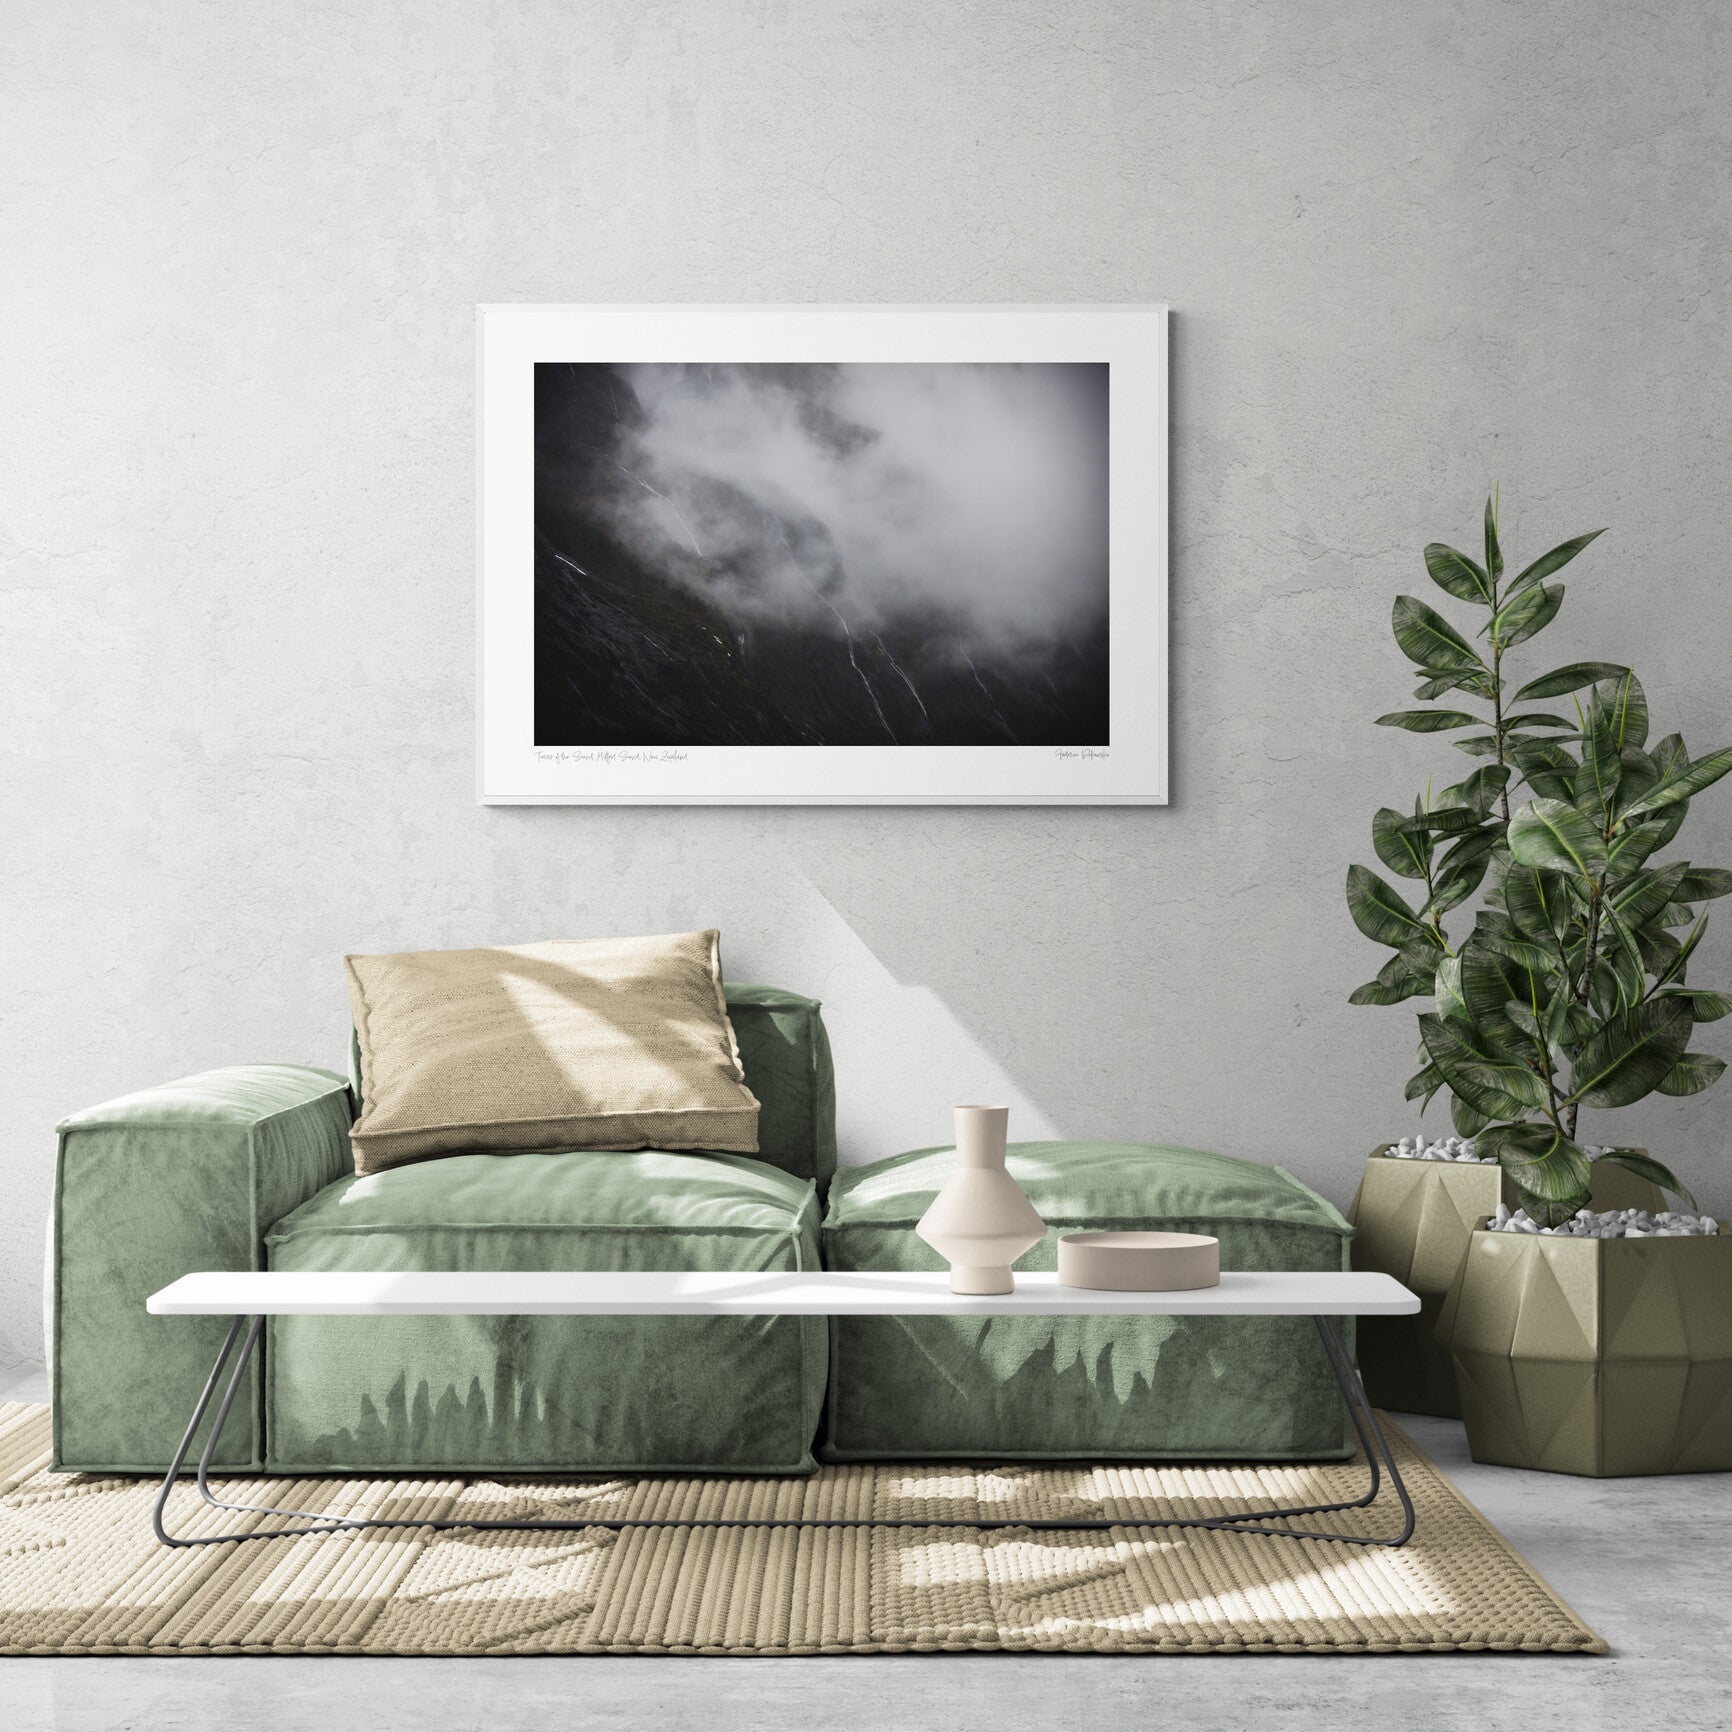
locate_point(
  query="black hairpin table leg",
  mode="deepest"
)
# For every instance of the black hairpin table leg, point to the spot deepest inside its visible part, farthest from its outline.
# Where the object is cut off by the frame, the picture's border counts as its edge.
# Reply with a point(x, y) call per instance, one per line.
point(1372, 1442)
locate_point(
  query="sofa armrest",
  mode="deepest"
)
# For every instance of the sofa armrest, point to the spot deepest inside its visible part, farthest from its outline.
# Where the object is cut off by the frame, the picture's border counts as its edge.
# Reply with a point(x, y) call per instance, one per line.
point(190, 1175)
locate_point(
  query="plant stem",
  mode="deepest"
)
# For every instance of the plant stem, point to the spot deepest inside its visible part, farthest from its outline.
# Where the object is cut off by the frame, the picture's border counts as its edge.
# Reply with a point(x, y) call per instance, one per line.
point(1497, 702)
point(1596, 896)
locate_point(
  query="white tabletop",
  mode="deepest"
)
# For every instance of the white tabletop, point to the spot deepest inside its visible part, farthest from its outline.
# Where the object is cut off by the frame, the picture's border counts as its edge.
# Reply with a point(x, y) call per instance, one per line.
point(532, 1293)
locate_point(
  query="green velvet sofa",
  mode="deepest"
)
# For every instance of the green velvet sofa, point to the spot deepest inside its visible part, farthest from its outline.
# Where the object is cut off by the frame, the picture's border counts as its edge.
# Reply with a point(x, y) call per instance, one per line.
point(250, 1168)
point(1046, 1388)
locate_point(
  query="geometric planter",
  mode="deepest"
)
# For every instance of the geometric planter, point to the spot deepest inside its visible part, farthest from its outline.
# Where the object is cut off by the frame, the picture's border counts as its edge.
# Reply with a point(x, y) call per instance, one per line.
point(1413, 1220)
point(1595, 1356)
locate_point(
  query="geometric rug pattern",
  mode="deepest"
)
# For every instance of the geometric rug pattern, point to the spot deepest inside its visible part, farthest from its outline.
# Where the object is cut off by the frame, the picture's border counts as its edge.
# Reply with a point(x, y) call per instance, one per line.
point(81, 1572)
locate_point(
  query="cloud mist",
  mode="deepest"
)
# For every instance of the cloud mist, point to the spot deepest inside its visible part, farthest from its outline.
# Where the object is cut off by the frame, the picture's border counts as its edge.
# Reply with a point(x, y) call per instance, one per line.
point(971, 499)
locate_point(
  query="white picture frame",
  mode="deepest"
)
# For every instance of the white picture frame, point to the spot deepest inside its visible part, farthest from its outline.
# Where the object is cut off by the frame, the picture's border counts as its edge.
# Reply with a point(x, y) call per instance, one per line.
point(1128, 767)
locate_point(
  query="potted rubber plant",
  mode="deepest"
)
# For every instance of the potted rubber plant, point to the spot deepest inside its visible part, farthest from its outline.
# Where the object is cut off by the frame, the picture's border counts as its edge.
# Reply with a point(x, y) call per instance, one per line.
point(1553, 945)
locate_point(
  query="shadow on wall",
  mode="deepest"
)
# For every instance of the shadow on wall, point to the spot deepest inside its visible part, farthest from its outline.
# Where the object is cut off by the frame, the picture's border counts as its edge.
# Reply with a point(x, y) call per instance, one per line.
point(903, 1058)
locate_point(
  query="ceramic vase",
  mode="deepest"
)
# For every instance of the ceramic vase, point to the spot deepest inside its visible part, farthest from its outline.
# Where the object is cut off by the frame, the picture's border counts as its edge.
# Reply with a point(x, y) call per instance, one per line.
point(980, 1223)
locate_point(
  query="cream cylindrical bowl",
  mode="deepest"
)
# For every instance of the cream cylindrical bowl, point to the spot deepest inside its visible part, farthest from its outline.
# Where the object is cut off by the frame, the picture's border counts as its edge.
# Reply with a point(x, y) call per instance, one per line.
point(1139, 1262)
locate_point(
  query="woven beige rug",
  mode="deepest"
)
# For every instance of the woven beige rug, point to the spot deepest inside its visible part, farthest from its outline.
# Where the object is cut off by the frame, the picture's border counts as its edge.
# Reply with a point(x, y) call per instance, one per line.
point(81, 1573)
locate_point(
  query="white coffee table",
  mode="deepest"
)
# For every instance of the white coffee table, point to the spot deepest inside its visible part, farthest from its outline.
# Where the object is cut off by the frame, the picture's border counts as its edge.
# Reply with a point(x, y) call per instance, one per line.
point(249, 1297)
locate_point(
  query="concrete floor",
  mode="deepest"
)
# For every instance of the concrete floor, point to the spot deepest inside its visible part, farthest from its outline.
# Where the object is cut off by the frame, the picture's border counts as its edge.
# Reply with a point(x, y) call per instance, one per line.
point(1648, 1563)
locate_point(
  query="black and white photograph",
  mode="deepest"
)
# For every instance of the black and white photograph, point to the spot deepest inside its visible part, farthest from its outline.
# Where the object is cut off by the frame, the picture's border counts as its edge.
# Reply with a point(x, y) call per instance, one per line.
point(824, 555)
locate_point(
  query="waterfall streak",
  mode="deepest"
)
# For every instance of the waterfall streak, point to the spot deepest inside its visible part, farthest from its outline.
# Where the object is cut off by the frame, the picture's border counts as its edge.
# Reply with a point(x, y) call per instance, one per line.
point(847, 631)
point(903, 677)
point(665, 501)
point(985, 693)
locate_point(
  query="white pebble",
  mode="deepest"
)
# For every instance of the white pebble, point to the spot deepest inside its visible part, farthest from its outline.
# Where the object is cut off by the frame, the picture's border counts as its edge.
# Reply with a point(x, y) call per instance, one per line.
point(1612, 1224)
point(1418, 1148)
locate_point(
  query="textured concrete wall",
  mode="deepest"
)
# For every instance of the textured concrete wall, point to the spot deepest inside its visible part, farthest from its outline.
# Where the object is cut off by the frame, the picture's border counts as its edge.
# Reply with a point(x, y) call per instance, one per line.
point(1411, 250)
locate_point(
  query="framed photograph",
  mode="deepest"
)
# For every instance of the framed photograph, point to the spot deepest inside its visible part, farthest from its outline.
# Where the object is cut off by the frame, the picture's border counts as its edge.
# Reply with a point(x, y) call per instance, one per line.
point(843, 555)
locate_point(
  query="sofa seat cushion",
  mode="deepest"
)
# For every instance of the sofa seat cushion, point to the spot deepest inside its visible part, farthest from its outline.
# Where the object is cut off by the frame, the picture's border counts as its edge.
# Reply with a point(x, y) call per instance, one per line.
point(1052, 1388)
point(549, 1394)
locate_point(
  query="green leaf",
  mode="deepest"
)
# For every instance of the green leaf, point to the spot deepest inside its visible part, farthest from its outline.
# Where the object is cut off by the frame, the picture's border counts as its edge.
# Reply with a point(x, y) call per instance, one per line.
point(1375, 992)
point(1462, 869)
point(1556, 560)
point(1681, 784)
point(1455, 887)
point(1497, 1086)
point(1541, 1159)
point(1426, 1082)
point(1681, 962)
point(1396, 980)
point(1468, 1121)
point(1627, 705)
point(1424, 950)
point(1487, 983)
point(1669, 754)
point(1646, 894)
point(1427, 721)
point(1630, 1054)
point(1545, 766)
point(1659, 950)
point(1438, 684)
point(1377, 909)
point(1560, 1023)
point(1667, 822)
point(1457, 574)
point(1645, 1167)
point(1551, 836)
point(1534, 719)
point(1493, 553)
point(1541, 1211)
point(1705, 1006)
point(1500, 933)
point(1448, 989)
point(1568, 1024)
point(1456, 820)
point(1522, 1015)
point(1527, 615)
point(1630, 847)
point(1537, 901)
point(1568, 679)
point(1703, 883)
point(1693, 1072)
point(1640, 773)
point(1621, 952)
point(1402, 844)
point(1602, 767)
point(1479, 792)
point(1477, 745)
point(1426, 637)
point(1639, 899)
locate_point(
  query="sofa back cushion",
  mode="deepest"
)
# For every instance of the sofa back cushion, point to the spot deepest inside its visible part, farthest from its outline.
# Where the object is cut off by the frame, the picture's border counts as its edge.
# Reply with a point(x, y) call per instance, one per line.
point(597, 1044)
point(785, 1053)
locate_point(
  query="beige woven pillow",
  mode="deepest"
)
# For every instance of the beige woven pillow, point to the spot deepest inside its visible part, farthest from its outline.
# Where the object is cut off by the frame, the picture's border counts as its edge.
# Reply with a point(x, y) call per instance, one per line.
point(613, 1043)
